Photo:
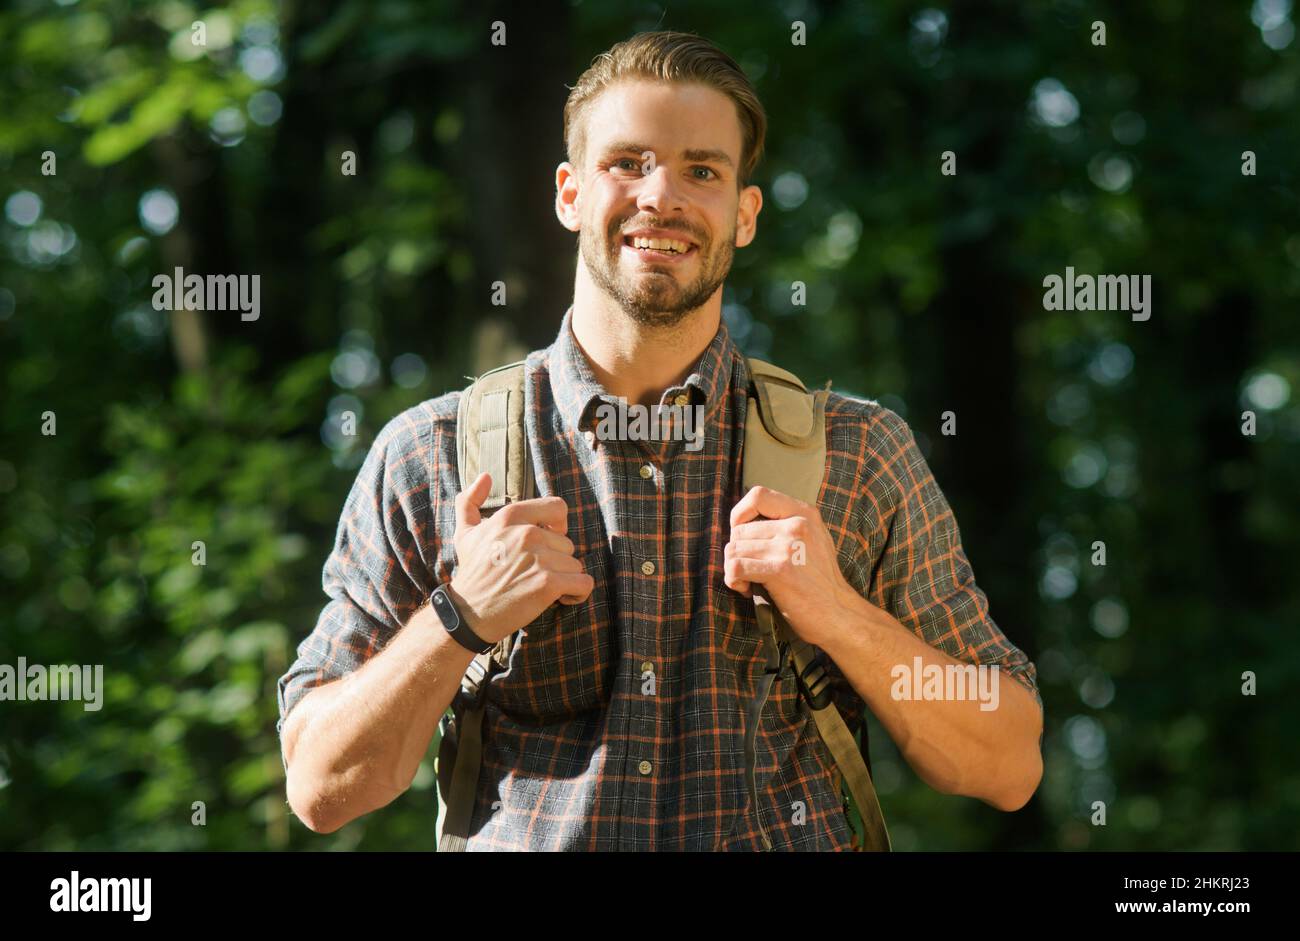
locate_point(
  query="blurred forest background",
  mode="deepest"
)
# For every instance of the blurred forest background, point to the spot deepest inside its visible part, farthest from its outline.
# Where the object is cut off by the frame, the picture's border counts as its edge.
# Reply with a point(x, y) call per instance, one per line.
point(924, 291)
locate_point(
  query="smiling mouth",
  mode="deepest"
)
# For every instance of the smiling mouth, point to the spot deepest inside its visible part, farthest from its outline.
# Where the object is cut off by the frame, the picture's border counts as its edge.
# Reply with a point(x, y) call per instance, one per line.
point(645, 243)
point(658, 247)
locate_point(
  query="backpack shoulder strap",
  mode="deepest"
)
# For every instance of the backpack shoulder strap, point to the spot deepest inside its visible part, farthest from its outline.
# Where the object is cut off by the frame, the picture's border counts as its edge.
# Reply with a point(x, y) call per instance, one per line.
point(490, 436)
point(785, 449)
point(785, 433)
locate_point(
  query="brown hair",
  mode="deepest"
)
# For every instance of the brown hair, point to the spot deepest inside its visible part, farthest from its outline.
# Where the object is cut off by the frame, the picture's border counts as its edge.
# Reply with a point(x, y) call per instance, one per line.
point(667, 56)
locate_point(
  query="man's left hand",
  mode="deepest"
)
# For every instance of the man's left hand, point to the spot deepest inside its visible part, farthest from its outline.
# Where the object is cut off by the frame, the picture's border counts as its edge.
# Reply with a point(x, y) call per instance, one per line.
point(791, 554)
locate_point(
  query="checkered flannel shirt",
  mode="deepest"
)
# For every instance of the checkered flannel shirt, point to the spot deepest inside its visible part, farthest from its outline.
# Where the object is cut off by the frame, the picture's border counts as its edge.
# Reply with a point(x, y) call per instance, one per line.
point(577, 756)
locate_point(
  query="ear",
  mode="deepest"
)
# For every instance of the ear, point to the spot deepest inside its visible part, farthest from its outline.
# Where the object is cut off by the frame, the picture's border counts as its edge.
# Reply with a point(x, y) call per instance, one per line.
point(566, 197)
point(747, 210)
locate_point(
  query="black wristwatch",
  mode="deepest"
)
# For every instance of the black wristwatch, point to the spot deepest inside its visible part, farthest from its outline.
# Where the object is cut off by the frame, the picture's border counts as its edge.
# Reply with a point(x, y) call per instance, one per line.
point(454, 623)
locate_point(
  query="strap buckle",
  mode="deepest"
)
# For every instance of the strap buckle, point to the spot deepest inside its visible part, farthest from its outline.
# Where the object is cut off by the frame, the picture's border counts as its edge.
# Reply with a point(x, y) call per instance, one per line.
point(814, 683)
point(473, 682)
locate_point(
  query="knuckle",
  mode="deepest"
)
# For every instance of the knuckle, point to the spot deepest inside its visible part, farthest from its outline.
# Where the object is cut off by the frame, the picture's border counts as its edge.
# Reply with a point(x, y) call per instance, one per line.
point(529, 562)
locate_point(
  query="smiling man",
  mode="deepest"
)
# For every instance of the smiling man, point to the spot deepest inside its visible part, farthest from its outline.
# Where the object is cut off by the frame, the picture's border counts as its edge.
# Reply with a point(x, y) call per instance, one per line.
point(627, 705)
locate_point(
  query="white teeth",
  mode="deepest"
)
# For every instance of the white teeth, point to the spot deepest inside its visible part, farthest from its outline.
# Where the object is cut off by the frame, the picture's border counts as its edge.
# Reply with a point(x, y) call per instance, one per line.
point(660, 244)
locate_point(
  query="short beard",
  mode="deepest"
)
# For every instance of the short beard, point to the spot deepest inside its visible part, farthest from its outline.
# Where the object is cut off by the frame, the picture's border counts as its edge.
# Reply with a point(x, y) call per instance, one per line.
point(663, 304)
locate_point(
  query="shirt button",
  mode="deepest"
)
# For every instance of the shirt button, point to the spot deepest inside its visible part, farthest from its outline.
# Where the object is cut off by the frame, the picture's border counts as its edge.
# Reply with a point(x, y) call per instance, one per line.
point(647, 568)
point(682, 399)
point(644, 767)
point(647, 666)
point(647, 471)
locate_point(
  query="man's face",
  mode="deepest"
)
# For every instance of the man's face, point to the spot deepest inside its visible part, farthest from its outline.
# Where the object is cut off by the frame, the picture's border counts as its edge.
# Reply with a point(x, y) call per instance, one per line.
point(661, 162)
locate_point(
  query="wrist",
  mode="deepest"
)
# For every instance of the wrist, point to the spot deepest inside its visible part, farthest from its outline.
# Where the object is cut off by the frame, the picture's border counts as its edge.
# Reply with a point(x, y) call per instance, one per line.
point(458, 618)
point(855, 620)
point(467, 613)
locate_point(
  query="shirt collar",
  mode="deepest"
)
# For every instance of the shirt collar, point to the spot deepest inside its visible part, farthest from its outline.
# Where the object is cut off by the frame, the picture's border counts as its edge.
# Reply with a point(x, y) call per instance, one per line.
point(577, 391)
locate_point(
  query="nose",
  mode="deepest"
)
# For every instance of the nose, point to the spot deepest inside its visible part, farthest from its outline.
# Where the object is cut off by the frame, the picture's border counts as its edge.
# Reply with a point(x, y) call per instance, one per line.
point(661, 192)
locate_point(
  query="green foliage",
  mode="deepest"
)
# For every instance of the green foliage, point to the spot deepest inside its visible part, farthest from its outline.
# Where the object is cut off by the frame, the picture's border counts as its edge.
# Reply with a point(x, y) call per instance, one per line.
point(923, 291)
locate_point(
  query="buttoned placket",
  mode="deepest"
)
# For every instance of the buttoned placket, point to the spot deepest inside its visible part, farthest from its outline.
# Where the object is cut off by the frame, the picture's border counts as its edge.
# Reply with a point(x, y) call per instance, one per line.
point(634, 553)
point(643, 479)
point(644, 486)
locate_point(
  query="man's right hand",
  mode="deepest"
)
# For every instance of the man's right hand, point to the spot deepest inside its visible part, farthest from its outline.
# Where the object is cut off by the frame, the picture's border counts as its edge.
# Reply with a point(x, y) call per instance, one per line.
point(513, 565)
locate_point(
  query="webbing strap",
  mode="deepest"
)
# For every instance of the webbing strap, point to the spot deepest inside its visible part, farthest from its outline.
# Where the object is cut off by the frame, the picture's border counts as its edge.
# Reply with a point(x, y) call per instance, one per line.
point(754, 716)
point(491, 436)
point(785, 449)
point(834, 730)
point(492, 440)
point(494, 404)
point(838, 740)
point(464, 781)
point(848, 758)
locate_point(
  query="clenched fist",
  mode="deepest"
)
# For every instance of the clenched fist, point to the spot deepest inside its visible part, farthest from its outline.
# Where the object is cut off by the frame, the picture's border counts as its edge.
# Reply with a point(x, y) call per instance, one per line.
point(513, 565)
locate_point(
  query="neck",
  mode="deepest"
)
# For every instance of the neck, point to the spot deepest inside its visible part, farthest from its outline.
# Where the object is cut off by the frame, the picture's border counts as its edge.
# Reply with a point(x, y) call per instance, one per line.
point(632, 360)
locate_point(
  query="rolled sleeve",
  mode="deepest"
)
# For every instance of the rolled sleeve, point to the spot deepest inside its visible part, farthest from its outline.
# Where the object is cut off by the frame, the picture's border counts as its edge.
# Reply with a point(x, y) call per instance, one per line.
point(378, 573)
point(924, 578)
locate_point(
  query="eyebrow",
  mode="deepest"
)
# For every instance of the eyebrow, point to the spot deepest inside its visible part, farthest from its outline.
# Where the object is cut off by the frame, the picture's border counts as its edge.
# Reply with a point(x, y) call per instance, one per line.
point(709, 156)
point(697, 155)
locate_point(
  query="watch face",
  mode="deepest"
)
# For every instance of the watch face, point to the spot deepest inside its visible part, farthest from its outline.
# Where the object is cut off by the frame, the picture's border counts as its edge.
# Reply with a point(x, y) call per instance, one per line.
point(446, 613)
point(450, 618)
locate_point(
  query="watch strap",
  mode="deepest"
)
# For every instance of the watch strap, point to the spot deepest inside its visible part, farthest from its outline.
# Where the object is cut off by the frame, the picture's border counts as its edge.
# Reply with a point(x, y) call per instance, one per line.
point(454, 622)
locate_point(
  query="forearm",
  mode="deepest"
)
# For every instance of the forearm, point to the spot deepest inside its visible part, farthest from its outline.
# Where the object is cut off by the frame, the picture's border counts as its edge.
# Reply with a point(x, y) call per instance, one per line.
point(354, 745)
point(954, 745)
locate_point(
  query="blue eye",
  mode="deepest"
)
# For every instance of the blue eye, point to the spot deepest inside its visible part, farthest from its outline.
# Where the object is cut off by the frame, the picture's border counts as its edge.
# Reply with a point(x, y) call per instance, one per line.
point(706, 170)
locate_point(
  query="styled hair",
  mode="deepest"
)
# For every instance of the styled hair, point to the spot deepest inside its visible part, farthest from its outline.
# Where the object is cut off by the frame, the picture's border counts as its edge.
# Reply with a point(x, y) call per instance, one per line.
point(667, 56)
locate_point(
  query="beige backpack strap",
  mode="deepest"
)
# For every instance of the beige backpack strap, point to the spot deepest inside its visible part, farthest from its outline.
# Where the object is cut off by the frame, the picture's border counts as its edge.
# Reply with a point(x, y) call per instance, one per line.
point(490, 436)
point(460, 757)
point(785, 449)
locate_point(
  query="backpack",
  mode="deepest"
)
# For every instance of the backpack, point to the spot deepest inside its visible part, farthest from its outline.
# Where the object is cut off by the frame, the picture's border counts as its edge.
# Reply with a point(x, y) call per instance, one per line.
point(785, 449)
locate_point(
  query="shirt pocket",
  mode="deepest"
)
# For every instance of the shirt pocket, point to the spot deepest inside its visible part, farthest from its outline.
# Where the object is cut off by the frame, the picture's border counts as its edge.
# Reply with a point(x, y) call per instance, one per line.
point(734, 626)
point(562, 663)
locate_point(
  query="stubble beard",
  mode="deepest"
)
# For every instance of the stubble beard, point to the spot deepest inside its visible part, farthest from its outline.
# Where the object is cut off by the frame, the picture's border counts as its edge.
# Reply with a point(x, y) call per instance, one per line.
point(655, 299)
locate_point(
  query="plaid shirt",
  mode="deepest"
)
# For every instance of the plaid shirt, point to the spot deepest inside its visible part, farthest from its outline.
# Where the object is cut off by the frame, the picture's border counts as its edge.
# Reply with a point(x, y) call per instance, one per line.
point(574, 751)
